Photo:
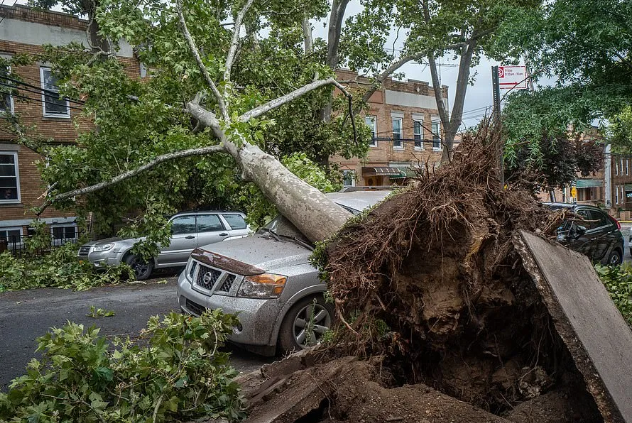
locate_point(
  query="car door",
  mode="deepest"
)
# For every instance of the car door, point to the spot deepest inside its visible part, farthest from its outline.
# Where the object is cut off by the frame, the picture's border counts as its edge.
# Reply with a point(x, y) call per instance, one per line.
point(183, 241)
point(581, 241)
point(236, 223)
point(210, 229)
point(602, 234)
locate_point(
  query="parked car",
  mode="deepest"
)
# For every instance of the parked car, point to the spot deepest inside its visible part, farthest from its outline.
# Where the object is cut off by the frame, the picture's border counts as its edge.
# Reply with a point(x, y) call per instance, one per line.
point(267, 280)
point(598, 235)
point(189, 230)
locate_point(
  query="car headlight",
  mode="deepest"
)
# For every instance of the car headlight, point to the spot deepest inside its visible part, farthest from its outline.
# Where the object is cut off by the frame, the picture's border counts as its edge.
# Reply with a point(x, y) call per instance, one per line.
point(266, 285)
point(103, 247)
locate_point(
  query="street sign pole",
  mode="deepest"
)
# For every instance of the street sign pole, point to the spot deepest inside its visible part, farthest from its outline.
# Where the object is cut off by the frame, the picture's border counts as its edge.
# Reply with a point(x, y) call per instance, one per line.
point(497, 125)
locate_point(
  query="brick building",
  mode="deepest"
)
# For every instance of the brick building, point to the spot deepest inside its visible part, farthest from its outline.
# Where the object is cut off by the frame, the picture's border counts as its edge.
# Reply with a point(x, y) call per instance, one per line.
point(34, 100)
point(407, 132)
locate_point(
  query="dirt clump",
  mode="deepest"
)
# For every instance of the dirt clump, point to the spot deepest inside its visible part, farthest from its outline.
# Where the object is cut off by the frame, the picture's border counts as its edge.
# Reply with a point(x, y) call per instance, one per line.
point(430, 291)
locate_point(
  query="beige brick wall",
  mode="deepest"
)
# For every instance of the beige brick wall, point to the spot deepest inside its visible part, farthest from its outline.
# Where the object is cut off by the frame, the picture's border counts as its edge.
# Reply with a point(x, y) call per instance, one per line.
point(385, 153)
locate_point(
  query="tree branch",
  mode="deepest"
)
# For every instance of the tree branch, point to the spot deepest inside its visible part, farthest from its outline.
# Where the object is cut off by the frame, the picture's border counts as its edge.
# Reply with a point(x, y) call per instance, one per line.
point(307, 36)
point(198, 59)
point(277, 102)
point(126, 175)
point(230, 58)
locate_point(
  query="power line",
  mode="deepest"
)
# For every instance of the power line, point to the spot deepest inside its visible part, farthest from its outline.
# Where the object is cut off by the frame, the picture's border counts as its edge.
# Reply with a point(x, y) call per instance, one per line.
point(40, 90)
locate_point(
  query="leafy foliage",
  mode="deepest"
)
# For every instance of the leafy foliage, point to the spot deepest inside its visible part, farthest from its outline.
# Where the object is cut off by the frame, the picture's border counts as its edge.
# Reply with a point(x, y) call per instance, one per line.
point(555, 163)
point(618, 282)
point(179, 375)
point(586, 46)
point(61, 269)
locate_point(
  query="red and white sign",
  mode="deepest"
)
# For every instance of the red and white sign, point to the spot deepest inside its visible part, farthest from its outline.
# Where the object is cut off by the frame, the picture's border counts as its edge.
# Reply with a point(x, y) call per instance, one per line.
point(512, 77)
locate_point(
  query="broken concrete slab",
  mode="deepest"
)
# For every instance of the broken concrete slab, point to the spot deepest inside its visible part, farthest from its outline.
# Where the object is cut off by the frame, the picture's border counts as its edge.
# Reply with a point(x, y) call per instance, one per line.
point(586, 319)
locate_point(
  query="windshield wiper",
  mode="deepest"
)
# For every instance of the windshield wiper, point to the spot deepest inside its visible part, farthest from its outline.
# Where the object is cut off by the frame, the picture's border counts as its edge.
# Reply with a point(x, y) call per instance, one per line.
point(299, 241)
point(271, 232)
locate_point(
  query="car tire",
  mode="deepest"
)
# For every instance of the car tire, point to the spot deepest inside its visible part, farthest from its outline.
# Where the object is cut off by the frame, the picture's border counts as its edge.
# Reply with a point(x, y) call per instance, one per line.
point(142, 268)
point(615, 258)
point(295, 333)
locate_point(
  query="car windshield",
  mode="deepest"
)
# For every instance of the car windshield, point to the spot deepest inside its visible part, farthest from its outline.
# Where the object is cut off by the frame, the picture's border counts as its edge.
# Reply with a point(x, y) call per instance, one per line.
point(282, 227)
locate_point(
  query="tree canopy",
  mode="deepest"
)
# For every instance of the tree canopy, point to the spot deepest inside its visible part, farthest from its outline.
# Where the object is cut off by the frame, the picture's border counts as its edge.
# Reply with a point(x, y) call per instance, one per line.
point(586, 46)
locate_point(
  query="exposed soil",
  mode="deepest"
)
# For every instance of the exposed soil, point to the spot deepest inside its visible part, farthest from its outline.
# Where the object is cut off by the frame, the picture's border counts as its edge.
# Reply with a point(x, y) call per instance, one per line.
point(431, 292)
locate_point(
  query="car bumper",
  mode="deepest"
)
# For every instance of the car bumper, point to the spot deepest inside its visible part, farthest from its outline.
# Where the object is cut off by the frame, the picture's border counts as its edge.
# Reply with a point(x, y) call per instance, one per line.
point(103, 259)
point(257, 317)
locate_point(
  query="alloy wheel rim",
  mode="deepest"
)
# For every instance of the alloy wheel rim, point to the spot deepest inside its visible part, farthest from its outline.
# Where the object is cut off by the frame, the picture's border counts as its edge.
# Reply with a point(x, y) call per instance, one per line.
point(308, 330)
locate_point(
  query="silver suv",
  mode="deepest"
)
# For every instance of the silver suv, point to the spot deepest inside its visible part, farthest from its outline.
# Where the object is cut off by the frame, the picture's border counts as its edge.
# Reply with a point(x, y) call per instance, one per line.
point(189, 231)
point(266, 279)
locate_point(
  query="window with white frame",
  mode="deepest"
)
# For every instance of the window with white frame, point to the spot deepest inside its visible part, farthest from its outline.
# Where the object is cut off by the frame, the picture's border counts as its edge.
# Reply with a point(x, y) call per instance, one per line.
point(418, 133)
point(52, 103)
point(9, 177)
point(627, 167)
point(397, 131)
point(436, 135)
point(12, 236)
point(616, 194)
point(371, 122)
point(348, 178)
point(6, 88)
point(616, 167)
point(63, 233)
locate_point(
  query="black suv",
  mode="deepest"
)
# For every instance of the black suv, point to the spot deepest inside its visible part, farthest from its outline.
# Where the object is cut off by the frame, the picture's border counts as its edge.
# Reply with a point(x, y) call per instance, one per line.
point(598, 235)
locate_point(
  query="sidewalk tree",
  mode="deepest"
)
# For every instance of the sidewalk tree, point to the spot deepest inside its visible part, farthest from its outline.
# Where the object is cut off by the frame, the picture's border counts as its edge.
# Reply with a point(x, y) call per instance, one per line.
point(430, 30)
point(586, 45)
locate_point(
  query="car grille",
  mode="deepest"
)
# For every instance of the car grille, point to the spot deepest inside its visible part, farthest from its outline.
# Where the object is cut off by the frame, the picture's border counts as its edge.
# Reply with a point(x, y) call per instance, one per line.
point(214, 280)
point(195, 308)
point(84, 250)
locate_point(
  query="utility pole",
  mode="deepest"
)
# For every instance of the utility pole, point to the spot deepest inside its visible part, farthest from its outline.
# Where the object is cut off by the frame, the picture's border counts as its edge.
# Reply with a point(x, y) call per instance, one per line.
point(497, 125)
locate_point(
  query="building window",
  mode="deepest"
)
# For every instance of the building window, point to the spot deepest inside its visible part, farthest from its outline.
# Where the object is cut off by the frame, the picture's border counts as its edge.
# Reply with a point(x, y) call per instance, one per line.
point(436, 136)
point(62, 234)
point(12, 236)
point(397, 132)
point(9, 177)
point(418, 134)
point(616, 194)
point(348, 178)
point(616, 167)
point(53, 105)
point(6, 87)
point(627, 167)
point(371, 122)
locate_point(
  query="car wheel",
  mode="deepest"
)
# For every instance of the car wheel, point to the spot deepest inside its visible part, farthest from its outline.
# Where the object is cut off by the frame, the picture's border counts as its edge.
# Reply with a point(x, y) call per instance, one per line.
point(142, 268)
point(615, 258)
point(305, 324)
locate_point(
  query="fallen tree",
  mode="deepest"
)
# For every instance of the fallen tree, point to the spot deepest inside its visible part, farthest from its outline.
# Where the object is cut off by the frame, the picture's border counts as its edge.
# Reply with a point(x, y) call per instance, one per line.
point(438, 293)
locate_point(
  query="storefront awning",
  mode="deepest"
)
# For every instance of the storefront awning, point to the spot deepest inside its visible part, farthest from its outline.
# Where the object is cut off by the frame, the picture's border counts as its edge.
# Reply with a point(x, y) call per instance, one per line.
point(405, 172)
point(589, 183)
point(380, 171)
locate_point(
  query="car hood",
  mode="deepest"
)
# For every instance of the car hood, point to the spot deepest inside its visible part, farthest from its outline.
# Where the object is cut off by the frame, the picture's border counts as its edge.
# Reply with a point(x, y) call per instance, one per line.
point(253, 255)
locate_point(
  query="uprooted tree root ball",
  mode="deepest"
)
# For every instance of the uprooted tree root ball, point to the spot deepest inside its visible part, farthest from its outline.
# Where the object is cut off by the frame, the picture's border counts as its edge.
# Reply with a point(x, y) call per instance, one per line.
point(431, 281)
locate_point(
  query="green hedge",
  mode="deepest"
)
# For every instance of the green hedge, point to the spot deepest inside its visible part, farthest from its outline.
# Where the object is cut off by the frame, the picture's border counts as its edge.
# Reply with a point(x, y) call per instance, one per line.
point(618, 282)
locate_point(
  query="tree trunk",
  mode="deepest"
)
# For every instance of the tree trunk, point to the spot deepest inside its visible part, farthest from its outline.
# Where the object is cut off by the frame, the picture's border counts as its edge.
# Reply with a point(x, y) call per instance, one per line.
point(317, 217)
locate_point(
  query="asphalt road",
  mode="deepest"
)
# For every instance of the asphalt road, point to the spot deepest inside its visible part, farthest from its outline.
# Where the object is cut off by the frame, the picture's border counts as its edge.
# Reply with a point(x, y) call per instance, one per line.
point(26, 315)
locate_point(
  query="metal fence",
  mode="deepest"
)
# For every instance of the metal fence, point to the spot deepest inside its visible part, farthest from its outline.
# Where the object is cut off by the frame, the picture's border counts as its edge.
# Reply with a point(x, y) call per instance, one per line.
point(17, 244)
